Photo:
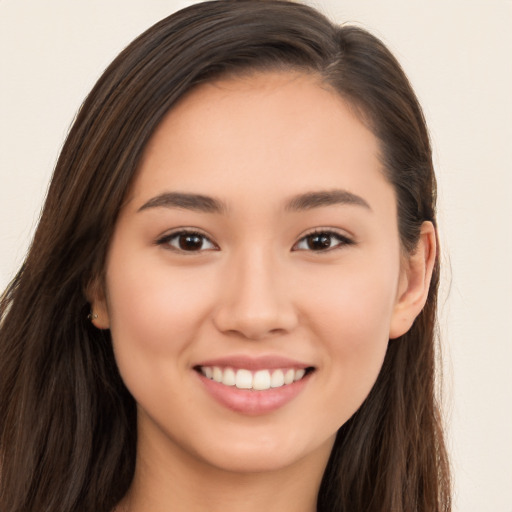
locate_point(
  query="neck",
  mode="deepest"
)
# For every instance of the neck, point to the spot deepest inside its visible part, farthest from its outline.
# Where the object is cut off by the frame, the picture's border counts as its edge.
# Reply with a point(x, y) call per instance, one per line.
point(177, 482)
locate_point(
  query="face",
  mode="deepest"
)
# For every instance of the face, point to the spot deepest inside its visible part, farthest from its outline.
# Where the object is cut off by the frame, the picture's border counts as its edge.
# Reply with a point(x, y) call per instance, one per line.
point(255, 274)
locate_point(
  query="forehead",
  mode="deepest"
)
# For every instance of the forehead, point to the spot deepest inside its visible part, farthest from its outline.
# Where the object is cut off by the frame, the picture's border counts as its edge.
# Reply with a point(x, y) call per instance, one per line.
point(264, 132)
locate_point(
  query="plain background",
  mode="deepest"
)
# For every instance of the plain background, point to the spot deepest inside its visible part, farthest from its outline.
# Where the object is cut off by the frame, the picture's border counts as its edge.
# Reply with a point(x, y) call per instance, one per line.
point(458, 55)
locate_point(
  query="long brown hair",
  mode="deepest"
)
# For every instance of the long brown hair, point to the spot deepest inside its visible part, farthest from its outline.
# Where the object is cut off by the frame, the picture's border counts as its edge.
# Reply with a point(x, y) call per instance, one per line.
point(67, 422)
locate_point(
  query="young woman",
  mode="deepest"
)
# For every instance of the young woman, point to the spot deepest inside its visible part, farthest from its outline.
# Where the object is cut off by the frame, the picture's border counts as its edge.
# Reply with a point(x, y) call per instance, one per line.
point(230, 300)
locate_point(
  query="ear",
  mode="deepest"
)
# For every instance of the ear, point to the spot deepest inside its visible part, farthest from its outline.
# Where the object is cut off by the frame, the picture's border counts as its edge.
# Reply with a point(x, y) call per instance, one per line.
point(95, 294)
point(414, 282)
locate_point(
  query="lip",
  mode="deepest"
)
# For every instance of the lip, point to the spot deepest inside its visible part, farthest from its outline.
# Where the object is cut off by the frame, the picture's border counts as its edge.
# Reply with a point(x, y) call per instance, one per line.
point(252, 402)
point(267, 362)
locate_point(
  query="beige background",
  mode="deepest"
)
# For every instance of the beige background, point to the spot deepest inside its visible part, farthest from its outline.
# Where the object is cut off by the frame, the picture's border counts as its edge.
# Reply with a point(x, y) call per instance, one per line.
point(458, 54)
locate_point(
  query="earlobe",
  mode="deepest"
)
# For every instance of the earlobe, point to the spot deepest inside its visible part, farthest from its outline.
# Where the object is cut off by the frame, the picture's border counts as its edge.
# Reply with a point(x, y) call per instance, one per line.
point(415, 282)
point(95, 295)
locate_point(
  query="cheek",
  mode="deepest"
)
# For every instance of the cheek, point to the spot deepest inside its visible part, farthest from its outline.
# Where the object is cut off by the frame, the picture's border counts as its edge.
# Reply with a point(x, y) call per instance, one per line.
point(352, 318)
point(155, 314)
point(356, 333)
point(354, 304)
point(150, 306)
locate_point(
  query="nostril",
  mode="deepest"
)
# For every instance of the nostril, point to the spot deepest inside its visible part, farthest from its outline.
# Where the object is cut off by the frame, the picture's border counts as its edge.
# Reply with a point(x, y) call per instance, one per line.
point(242, 322)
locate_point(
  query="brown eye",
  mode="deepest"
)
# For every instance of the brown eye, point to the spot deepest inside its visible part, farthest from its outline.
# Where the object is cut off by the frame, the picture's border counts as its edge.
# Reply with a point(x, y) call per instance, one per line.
point(319, 242)
point(190, 242)
point(187, 241)
point(322, 241)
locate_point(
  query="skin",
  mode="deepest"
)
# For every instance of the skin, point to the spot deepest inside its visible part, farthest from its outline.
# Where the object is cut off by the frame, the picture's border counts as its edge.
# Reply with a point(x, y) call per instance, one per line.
point(254, 288)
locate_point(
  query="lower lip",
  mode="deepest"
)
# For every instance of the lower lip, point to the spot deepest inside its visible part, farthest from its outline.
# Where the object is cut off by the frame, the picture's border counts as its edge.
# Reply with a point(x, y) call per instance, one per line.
point(253, 402)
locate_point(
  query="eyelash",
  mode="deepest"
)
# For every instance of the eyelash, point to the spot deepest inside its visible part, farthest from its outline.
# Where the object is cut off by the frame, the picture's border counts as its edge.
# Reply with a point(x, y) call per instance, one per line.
point(166, 240)
point(325, 233)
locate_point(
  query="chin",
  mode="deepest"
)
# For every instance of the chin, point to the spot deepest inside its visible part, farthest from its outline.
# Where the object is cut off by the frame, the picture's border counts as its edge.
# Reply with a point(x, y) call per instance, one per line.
point(265, 454)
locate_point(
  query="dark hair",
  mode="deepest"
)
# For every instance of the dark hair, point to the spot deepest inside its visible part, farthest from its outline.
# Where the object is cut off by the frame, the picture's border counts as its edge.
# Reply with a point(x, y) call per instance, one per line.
point(67, 422)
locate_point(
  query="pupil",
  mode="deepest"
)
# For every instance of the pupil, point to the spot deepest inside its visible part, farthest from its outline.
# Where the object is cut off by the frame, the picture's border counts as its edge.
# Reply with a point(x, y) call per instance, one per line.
point(190, 242)
point(319, 242)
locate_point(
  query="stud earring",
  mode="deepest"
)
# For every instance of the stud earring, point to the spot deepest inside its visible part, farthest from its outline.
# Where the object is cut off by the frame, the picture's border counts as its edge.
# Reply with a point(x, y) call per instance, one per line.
point(92, 316)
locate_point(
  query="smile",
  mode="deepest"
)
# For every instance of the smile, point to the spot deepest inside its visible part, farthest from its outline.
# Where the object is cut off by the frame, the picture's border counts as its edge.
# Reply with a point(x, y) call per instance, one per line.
point(253, 380)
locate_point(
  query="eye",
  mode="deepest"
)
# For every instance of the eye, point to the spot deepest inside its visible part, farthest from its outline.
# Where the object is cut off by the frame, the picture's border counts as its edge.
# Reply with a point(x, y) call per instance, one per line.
point(321, 241)
point(187, 241)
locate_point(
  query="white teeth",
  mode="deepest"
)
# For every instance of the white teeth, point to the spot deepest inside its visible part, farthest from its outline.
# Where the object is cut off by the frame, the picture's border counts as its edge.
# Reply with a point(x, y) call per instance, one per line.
point(277, 379)
point(299, 374)
point(261, 380)
point(258, 381)
point(243, 379)
point(217, 374)
point(289, 376)
point(229, 377)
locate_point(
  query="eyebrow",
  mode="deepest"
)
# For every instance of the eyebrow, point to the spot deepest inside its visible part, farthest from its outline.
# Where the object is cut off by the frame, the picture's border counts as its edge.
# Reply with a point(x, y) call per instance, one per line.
point(182, 200)
point(320, 199)
point(207, 204)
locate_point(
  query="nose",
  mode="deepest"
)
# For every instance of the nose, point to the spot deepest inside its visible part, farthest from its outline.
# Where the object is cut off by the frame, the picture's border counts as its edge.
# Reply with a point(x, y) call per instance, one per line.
point(255, 302)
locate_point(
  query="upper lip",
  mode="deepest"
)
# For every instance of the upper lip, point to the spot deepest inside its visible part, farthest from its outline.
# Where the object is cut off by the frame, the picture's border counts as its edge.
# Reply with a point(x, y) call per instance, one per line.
point(267, 362)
